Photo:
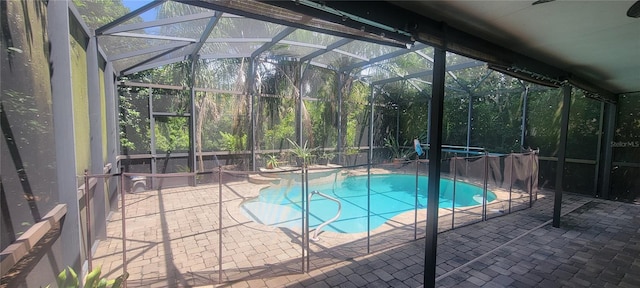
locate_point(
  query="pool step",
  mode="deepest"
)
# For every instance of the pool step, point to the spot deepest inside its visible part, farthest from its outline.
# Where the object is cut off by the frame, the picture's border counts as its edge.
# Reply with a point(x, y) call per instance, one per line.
point(259, 179)
point(271, 173)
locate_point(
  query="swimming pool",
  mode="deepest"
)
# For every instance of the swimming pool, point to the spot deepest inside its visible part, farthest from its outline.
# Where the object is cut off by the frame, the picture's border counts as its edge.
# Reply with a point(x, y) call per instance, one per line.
point(391, 195)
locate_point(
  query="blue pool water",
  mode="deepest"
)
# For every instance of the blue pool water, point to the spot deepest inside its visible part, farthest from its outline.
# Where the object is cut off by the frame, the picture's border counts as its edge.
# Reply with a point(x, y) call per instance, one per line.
point(391, 195)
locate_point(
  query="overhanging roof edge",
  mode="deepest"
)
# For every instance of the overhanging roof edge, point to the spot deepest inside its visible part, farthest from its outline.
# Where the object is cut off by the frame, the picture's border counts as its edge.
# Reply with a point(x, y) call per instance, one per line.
point(435, 33)
point(218, 7)
point(157, 23)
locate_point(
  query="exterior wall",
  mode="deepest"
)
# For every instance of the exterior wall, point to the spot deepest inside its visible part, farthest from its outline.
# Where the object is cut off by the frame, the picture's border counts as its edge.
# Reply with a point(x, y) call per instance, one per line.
point(28, 163)
point(46, 141)
point(27, 159)
point(80, 98)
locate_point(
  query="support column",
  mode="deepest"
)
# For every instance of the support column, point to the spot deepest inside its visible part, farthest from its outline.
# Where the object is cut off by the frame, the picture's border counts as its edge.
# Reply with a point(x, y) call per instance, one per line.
point(152, 140)
point(111, 110)
point(297, 81)
point(113, 137)
point(607, 159)
point(252, 94)
point(398, 123)
point(63, 125)
point(469, 120)
point(435, 141)
point(340, 77)
point(369, 162)
point(95, 131)
point(192, 122)
point(562, 149)
point(599, 158)
point(429, 119)
point(523, 131)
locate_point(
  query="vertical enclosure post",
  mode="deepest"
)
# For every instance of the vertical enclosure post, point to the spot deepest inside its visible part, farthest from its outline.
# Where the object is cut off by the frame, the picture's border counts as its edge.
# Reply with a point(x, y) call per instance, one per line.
point(523, 127)
point(453, 196)
point(536, 171)
point(111, 112)
point(608, 150)
point(429, 122)
point(511, 179)
point(415, 204)
point(469, 122)
point(298, 86)
point(124, 226)
point(339, 76)
point(87, 210)
point(484, 186)
point(303, 217)
point(599, 150)
point(219, 224)
point(305, 180)
point(192, 123)
point(562, 148)
point(113, 137)
point(369, 161)
point(252, 95)
point(435, 141)
point(152, 141)
point(397, 123)
point(530, 177)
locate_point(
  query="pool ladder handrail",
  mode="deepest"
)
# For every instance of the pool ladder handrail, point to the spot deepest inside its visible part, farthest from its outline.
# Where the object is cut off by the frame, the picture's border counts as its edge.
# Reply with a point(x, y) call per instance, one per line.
point(325, 223)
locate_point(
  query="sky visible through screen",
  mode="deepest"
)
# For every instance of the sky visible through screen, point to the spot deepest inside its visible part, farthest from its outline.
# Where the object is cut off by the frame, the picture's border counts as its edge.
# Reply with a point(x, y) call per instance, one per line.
point(149, 15)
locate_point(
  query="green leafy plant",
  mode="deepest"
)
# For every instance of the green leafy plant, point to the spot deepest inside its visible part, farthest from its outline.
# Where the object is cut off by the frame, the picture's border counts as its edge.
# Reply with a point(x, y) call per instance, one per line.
point(351, 151)
point(397, 152)
point(272, 161)
point(68, 278)
point(350, 155)
point(304, 153)
point(326, 157)
point(233, 143)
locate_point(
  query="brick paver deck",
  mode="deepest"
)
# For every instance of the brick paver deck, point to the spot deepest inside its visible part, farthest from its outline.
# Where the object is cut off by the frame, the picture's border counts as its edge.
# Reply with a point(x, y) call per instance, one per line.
point(173, 241)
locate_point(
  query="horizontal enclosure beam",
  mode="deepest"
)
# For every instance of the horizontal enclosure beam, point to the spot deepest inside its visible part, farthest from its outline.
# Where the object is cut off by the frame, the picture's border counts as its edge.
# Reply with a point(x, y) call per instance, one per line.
point(175, 87)
point(152, 49)
point(150, 65)
point(385, 57)
point(284, 33)
point(332, 46)
point(155, 37)
point(157, 23)
point(429, 72)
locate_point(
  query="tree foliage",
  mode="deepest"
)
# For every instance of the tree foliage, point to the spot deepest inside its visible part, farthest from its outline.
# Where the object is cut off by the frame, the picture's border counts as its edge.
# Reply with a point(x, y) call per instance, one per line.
point(97, 13)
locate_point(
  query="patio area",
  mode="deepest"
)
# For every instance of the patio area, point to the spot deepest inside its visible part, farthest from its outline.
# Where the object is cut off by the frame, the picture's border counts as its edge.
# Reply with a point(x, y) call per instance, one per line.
point(173, 241)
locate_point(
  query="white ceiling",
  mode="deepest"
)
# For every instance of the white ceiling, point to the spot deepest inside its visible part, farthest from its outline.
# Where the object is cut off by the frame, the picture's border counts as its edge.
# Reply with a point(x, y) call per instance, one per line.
point(591, 39)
